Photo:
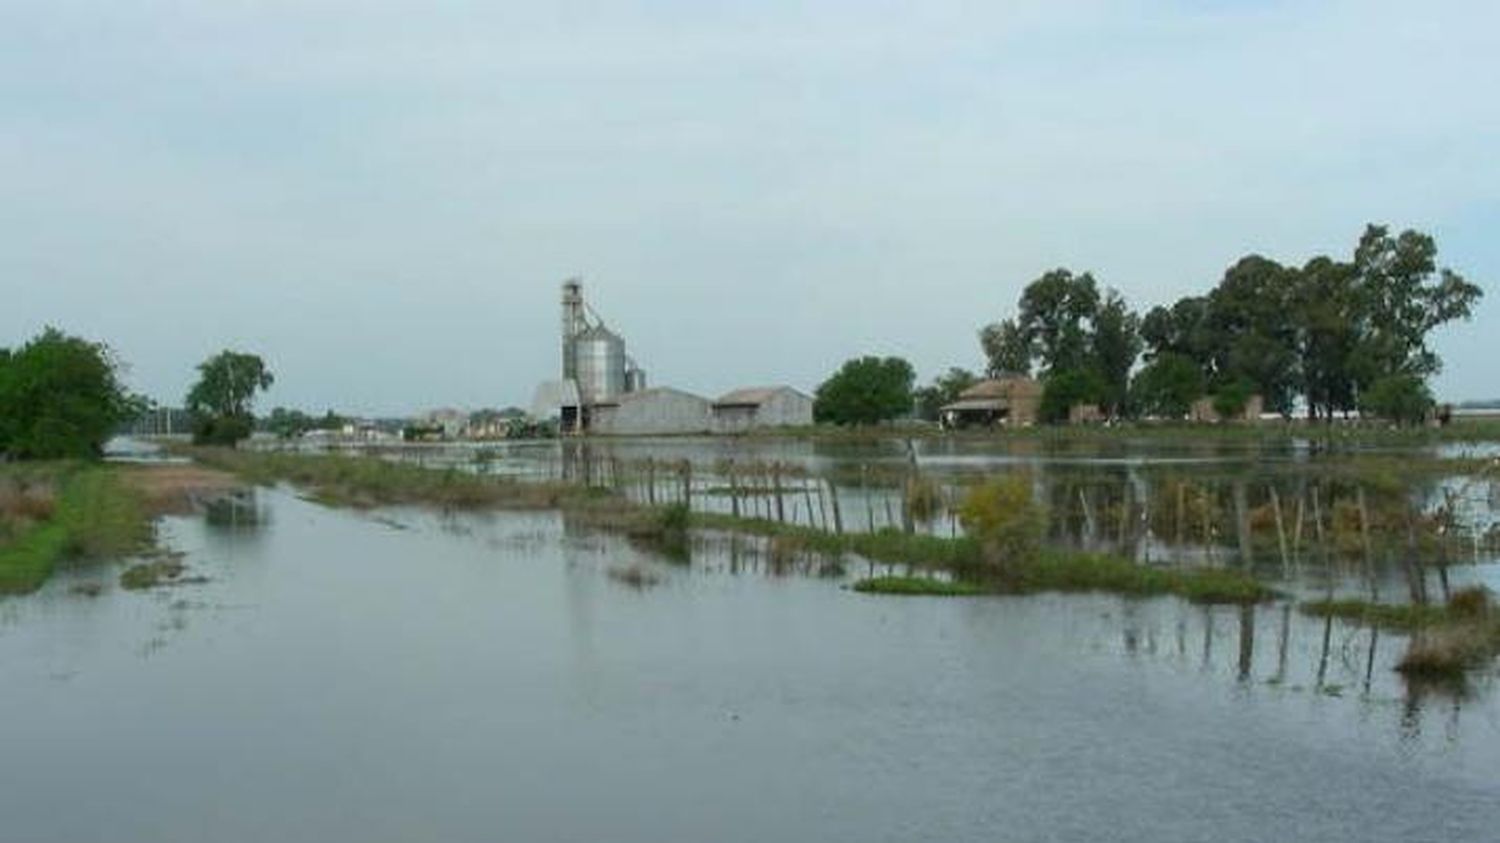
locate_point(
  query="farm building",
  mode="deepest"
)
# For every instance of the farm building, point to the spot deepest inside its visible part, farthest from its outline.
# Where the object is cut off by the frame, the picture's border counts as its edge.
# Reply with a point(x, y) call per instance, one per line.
point(657, 411)
point(761, 407)
point(1203, 411)
point(1009, 400)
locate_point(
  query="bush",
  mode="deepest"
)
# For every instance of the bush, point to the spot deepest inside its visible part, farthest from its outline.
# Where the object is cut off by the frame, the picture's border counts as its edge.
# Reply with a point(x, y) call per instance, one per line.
point(1008, 523)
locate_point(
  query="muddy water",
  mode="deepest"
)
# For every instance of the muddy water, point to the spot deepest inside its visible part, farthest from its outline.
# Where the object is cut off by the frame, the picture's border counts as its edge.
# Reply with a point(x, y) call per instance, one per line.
point(401, 675)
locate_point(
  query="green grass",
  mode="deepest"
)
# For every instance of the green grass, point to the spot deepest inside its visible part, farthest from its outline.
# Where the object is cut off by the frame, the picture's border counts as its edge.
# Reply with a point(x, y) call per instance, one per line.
point(95, 516)
point(28, 561)
point(917, 586)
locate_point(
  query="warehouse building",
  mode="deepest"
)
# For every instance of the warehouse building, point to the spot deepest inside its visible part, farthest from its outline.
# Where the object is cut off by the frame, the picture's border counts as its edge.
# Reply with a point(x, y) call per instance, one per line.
point(647, 412)
point(761, 407)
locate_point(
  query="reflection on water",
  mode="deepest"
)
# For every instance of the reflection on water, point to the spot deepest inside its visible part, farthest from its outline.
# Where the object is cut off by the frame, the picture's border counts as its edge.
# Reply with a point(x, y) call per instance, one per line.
point(403, 674)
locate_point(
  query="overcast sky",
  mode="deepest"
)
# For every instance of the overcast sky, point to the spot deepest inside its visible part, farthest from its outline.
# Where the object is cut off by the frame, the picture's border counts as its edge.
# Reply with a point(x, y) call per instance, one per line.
point(381, 198)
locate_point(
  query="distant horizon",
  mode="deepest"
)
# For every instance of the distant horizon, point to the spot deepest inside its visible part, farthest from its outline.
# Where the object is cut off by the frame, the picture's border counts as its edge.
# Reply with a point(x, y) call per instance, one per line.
point(381, 201)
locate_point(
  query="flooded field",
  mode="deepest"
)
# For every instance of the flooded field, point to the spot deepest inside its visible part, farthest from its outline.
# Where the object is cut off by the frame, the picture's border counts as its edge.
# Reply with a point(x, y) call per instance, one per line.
point(401, 674)
point(1311, 517)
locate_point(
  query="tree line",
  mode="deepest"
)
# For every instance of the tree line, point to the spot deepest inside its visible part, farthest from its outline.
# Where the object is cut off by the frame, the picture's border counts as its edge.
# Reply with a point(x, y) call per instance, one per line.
point(1331, 336)
point(62, 397)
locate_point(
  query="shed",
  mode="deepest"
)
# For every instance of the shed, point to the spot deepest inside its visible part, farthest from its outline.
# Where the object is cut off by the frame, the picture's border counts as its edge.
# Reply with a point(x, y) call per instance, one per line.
point(657, 411)
point(1007, 400)
point(761, 407)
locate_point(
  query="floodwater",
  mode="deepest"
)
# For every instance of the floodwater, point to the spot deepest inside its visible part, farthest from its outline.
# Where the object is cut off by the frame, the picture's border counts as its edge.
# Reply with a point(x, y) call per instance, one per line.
point(1309, 517)
point(406, 675)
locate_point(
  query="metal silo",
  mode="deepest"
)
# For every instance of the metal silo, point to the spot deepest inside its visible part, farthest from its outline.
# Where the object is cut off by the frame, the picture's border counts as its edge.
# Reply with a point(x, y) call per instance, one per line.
point(599, 356)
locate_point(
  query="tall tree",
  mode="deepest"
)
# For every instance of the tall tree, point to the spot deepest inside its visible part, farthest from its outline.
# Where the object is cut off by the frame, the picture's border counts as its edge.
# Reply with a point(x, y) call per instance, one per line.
point(60, 397)
point(222, 399)
point(866, 390)
point(1403, 297)
point(1252, 337)
point(1057, 310)
point(1115, 344)
point(1007, 349)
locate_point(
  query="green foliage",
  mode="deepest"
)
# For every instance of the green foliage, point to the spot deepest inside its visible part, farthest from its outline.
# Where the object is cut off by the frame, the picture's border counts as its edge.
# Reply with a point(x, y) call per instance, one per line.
point(1007, 348)
point(1115, 344)
point(221, 399)
point(1008, 523)
point(1167, 386)
point(96, 516)
point(1401, 398)
point(1231, 398)
point(917, 586)
point(944, 390)
point(60, 398)
point(1064, 390)
point(1067, 327)
point(289, 424)
point(866, 390)
point(1056, 311)
point(1328, 331)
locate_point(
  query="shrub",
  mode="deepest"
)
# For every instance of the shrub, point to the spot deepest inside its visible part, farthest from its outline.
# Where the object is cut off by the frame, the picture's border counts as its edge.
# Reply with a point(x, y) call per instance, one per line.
point(1002, 514)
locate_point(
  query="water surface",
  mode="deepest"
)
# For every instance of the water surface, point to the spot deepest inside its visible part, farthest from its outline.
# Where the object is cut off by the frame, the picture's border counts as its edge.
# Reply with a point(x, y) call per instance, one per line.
point(404, 675)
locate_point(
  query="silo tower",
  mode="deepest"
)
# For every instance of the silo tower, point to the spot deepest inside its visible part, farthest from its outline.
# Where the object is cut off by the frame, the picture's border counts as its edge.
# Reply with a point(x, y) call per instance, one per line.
point(573, 324)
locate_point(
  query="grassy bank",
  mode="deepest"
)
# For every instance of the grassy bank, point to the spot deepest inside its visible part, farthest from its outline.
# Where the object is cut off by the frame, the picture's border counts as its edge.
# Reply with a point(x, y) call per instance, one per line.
point(51, 513)
point(1446, 639)
point(365, 481)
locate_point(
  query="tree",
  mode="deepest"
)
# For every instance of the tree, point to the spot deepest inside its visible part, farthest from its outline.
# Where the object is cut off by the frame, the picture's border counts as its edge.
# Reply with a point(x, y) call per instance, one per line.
point(1324, 310)
point(1402, 302)
point(222, 398)
point(945, 389)
point(866, 390)
point(60, 397)
point(1115, 344)
point(1062, 391)
point(1057, 310)
point(1167, 386)
point(1402, 398)
point(1229, 399)
point(1007, 349)
point(1248, 333)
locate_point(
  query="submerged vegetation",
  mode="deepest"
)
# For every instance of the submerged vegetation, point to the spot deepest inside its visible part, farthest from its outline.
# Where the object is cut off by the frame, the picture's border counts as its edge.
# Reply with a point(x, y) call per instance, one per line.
point(1446, 639)
point(919, 586)
point(57, 511)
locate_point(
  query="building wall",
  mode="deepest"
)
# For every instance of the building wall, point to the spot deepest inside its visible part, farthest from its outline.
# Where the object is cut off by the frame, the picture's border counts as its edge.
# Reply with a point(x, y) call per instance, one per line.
point(655, 411)
point(783, 408)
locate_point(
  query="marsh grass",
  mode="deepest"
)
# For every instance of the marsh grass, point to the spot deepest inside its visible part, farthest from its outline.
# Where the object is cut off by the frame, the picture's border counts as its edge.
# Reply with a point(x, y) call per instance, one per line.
point(1446, 640)
point(917, 586)
point(86, 513)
